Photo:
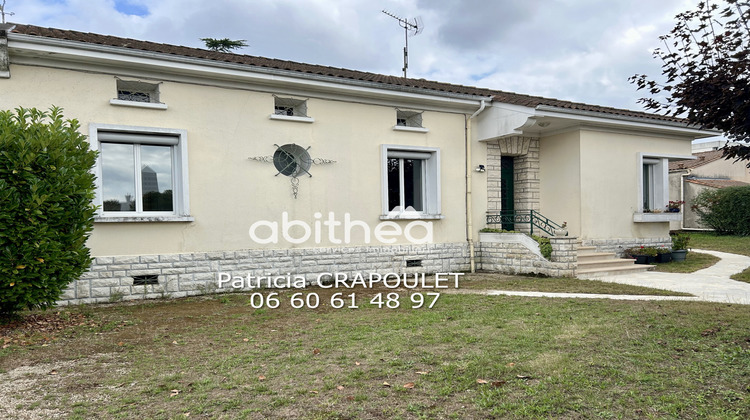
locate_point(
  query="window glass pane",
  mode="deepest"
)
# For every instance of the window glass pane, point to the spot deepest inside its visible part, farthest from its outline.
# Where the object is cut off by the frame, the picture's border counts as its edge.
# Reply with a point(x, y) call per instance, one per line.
point(156, 177)
point(413, 184)
point(394, 191)
point(646, 187)
point(118, 177)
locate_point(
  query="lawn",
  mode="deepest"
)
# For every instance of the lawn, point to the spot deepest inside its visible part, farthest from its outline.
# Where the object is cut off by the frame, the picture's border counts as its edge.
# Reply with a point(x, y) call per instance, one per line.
point(470, 356)
point(694, 261)
point(493, 281)
point(723, 243)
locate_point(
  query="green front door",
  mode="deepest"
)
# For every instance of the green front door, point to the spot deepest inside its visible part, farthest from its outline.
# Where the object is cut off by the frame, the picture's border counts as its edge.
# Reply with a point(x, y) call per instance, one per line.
point(506, 192)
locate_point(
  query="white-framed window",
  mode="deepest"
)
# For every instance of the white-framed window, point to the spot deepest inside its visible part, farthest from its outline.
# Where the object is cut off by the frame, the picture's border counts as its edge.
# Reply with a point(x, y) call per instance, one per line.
point(411, 182)
point(407, 120)
point(653, 187)
point(290, 109)
point(138, 94)
point(141, 173)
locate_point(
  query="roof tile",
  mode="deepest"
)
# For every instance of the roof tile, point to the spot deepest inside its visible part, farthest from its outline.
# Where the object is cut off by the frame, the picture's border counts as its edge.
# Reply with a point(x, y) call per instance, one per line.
point(255, 61)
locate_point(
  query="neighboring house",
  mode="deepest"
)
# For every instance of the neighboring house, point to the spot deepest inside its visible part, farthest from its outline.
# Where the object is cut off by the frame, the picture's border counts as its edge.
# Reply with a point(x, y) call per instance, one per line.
point(707, 170)
point(262, 167)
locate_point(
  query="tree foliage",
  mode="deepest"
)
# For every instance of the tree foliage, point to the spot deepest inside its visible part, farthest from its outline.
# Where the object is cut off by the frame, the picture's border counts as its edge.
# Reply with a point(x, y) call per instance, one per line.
point(725, 210)
point(224, 45)
point(706, 70)
point(46, 211)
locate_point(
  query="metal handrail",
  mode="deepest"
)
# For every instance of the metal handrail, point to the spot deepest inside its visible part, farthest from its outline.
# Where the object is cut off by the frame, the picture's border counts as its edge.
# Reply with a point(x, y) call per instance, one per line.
point(529, 217)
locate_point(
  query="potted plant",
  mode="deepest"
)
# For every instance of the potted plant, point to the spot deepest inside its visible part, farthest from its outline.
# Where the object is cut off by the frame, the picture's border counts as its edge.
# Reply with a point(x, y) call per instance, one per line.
point(680, 242)
point(663, 255)
point(674, 206)
point(562, 231)
point(643, 255)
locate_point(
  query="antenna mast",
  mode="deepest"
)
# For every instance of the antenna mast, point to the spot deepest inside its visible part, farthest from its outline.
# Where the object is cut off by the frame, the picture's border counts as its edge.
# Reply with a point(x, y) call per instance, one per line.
point(3, 13)
point(415, 26)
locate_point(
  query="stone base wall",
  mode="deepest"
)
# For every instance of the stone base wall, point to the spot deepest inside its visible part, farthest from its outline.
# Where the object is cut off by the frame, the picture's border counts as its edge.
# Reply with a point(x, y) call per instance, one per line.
point(111, 278)
point(509, 254)
point(618, 246)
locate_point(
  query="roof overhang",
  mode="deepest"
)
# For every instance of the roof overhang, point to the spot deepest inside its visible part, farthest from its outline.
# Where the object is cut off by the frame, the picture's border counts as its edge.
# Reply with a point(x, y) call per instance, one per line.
point(550, 119)
point(76, 55)
point(544, 120)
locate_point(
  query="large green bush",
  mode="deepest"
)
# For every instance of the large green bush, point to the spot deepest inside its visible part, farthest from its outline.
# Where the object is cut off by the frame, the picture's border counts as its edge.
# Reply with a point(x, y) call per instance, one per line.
point(46, 211)
point(725, 210)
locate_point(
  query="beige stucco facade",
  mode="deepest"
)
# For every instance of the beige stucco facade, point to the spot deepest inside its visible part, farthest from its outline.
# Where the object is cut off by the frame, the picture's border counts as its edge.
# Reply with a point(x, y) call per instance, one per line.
point(593, 181)
point(228, 192)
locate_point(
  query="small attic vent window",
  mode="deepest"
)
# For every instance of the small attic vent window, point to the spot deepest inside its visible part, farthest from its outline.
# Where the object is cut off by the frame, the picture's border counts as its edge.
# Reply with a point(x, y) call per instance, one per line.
point(136, 91)
point(290, 107)
point(145, 280)
point(408, 118)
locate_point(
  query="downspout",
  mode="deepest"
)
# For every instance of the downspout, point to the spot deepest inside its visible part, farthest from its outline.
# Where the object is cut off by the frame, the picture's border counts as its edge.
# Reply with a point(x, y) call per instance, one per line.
point(469, 224)
point(682, 196)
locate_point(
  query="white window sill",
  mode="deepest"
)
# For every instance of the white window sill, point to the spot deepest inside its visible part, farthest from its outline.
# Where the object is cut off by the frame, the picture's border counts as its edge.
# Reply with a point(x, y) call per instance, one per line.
point(149, 105)
point(656, 217)
point(138, 219)
point(292, 118)
point(411, 216)
point(411, 129)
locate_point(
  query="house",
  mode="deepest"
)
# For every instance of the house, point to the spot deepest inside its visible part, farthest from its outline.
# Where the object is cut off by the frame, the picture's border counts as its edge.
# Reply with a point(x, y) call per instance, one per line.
point(218, 164)
point(707, 170)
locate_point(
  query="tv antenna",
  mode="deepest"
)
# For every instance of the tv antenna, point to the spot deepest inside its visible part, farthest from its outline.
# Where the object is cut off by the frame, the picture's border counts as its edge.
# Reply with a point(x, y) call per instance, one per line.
point(415, 27)
point(3, 13)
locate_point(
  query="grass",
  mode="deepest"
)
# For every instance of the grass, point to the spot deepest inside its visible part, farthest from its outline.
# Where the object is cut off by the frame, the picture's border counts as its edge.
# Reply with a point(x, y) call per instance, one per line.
point(694, 261)
point(219, 357)
point(743, 276)
point(723, 243)
point(492, 281)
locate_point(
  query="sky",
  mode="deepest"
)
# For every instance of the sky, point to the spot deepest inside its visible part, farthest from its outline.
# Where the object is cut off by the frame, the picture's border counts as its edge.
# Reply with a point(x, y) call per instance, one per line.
point(576, 50)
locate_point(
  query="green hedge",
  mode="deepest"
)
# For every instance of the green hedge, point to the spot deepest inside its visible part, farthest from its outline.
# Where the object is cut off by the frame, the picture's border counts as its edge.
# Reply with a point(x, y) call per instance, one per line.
point(725, 210)
point(46, 211)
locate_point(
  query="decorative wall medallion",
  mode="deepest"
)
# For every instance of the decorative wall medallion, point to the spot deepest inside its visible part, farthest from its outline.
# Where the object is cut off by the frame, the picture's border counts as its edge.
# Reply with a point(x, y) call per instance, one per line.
point(292, 160)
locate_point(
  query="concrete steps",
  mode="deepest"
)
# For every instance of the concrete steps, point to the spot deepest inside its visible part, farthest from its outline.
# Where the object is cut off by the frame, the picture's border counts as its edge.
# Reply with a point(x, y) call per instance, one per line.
point(592, 264)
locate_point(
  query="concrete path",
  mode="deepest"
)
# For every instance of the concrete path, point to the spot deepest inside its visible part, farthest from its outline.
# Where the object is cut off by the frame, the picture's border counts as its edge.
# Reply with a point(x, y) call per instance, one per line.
point(710, 284)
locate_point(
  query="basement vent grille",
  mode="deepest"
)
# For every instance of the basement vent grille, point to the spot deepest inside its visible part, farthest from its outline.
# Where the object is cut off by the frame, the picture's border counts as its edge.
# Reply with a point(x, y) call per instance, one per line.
point(413, 263)
point(145, 280)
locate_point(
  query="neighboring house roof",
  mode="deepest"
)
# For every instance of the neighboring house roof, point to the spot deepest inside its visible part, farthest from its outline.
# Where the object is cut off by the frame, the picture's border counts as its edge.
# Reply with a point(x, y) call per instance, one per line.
point(703, 158)
point(499, 96)
point(717, 183)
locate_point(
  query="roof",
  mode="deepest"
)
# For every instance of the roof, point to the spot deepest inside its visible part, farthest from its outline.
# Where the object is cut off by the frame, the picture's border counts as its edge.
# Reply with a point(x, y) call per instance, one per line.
point(717, 183)
point(703, 158)
point(255, 61)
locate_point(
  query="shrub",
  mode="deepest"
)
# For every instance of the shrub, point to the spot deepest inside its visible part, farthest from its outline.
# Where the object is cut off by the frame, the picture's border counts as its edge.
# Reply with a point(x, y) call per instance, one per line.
point(680, 241)
point(726, 210)
point(46, 214)
point(545, 246)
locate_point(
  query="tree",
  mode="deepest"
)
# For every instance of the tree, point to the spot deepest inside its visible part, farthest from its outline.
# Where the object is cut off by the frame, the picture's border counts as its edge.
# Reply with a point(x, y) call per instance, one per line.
point(46, 210)
point(706, 67)
point(224, 45)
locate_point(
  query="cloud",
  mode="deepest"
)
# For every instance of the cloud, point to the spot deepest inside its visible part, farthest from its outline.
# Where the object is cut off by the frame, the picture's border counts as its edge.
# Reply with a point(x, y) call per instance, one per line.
point(581, 50)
